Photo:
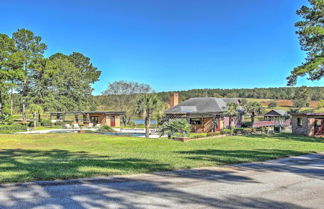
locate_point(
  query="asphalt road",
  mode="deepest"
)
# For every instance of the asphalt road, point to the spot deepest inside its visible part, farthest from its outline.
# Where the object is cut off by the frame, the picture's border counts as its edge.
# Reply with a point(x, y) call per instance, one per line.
point(296, 182)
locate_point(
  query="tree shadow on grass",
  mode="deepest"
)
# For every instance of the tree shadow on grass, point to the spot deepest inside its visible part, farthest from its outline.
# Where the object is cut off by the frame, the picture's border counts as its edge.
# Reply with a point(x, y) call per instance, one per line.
point(308, 165)
point(128, 194)
point(122, 193)
point(18, 165)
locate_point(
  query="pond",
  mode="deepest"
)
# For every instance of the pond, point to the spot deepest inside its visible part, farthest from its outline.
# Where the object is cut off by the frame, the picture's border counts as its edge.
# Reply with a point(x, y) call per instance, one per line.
point(124, 134)
point(141, 121)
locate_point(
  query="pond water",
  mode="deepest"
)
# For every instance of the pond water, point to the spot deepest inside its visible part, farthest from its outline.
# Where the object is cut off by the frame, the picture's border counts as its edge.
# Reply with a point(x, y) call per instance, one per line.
point(141, 121)
point(124, 134)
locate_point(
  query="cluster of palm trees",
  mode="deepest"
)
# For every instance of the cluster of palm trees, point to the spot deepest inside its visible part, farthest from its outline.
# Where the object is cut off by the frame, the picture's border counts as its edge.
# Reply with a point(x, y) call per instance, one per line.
point(250, 108)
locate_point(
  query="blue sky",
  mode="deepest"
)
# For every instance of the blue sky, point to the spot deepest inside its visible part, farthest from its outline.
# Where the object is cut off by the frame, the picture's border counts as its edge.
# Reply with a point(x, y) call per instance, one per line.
point(170, 44)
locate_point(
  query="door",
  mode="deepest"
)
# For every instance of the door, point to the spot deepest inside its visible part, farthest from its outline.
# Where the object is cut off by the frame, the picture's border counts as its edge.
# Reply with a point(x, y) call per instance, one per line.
point(318, 127)
point(112, 121)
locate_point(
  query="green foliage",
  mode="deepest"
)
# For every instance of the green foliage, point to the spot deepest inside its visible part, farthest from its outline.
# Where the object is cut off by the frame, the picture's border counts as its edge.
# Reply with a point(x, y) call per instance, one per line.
point(46, 122)
point(320, 104)
point(6, 119)
point(175, 127)
point(262, 129)
point(212, 134)
point(238, 131)
point(253, 109)
point(272, 104)
point(70, 156)
point(12, 128)
point(232, 110)
point(146, 105)
point(311, 36)
point(302, 98)
point(106, 128)
point(120, 96)
point(227, 131)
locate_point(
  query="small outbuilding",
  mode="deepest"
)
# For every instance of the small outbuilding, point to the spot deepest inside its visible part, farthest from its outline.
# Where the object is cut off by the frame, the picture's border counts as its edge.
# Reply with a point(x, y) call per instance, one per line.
point(205, 114)
point(276, 115)
point(89, 118)
point(308, 124)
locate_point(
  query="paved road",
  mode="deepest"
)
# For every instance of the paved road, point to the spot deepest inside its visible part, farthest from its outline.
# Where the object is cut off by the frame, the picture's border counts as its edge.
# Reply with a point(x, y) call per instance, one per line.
point(296, 182)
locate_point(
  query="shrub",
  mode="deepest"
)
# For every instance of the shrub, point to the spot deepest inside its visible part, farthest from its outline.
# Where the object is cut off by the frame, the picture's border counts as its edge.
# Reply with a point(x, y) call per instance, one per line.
point(175, 127)
point(226, 131)
point(45, 122)
point(248, 130)
point(106, 129)
point(6, 119)
point(272, 104)
point(238, 130)
point(12, 128)
point(212, 134)
point(262, 129)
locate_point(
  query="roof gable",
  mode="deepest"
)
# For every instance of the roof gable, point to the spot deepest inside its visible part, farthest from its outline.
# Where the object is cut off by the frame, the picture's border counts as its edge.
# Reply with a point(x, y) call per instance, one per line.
point(202, 105)
point(276, 113)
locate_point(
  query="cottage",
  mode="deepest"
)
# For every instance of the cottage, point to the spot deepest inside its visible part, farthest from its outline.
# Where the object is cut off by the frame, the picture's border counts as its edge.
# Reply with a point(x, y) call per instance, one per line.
point(308, 124)
point(205, 114)
point(90, 118)
point(276, 115)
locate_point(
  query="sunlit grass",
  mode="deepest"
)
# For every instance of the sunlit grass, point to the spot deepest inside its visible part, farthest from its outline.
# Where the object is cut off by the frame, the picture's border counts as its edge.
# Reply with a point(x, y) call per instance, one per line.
point(64, 156)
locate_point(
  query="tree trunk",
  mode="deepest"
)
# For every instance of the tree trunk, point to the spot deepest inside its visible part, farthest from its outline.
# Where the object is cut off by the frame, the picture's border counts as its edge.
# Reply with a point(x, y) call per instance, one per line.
point(252, 118)
point(11, 102)
point(230, 122)
point(35, 119)
point(147, 126)
point(24, 119)
point(1, 105)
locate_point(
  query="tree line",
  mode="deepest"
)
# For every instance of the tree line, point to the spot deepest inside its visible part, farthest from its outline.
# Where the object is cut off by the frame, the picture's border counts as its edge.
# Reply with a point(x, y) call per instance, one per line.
point(31, 81)
point(291, 93)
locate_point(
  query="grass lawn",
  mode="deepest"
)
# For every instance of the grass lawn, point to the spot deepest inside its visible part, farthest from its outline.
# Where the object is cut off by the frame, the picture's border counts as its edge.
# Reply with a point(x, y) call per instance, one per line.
point(63, 156)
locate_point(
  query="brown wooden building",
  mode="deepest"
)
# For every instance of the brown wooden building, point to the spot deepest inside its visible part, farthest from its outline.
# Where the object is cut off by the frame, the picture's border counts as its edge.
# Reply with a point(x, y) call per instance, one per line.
point(205, 114)
point(308, 124)
point(109, 118)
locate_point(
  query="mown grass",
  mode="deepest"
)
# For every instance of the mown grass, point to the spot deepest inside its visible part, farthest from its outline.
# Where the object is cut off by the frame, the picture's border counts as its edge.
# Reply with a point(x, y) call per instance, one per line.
point(64, 156)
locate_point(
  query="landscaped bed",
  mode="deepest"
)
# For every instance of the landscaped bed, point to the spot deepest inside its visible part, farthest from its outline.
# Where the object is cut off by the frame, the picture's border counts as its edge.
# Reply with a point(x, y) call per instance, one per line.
point(64, 156)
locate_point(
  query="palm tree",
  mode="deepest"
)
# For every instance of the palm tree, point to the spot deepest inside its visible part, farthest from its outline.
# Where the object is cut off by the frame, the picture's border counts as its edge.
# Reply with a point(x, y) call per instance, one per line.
point(146, 105)
point(231, 111)
point(254, 108)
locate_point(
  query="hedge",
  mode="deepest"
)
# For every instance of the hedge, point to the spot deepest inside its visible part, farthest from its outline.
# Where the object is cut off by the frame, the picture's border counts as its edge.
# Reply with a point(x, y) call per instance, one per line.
point(12, 128)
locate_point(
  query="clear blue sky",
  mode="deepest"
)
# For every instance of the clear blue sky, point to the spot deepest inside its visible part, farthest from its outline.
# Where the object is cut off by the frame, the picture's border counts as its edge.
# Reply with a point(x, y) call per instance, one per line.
point(170, 44)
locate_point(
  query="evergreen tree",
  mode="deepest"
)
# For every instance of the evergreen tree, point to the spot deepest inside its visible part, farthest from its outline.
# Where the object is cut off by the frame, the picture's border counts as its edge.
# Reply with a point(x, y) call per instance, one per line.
point(311, 37)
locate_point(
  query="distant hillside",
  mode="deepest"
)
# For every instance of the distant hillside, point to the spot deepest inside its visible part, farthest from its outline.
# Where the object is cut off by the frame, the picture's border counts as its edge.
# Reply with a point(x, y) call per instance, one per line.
point(283, 96)
point(283, 93)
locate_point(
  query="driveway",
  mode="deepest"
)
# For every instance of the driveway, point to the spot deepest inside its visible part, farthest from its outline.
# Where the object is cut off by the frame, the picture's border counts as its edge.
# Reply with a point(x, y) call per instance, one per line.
point(296, 182)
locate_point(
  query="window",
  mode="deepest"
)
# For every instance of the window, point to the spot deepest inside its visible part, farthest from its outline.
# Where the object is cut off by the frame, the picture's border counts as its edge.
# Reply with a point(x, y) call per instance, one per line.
point(195, 121)
point(299, 122)
point(94, 119)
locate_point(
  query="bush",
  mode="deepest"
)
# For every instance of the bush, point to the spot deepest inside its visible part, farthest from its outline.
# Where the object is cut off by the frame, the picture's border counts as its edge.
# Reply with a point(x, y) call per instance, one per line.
point(45, 123)
point(238, 130)
point(226, 131)
point(272, 104)
point(175, 127)
point(12, 128)
point(262, 129)
point(212, 134)
point(248, 130)
point(106, 129)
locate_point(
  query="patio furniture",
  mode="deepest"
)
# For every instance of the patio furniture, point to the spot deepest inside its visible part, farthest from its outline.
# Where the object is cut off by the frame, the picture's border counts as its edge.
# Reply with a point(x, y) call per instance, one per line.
point(67, 126)
point(76, 126)
point(98, 126)
point(90, 125)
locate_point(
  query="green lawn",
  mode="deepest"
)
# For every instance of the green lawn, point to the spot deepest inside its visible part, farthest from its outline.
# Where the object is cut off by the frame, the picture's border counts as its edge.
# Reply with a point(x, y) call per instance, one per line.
point(63, 156)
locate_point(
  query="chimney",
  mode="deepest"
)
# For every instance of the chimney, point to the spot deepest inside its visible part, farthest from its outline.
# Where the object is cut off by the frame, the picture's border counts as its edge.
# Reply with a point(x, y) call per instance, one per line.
point(174, 99)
